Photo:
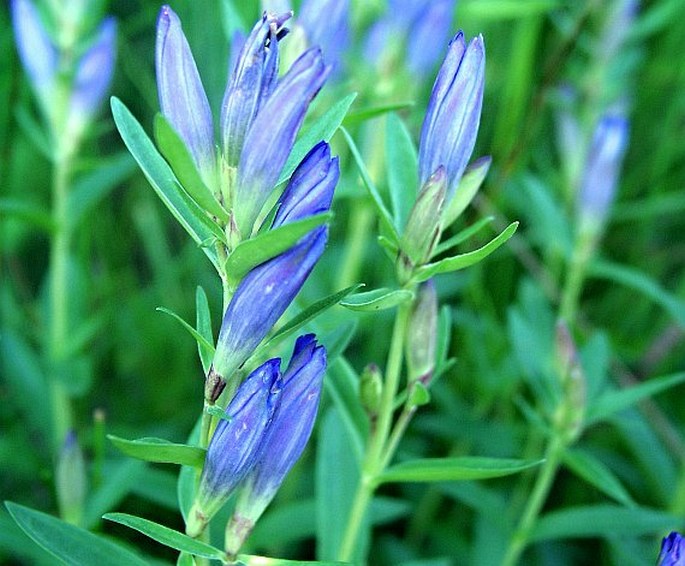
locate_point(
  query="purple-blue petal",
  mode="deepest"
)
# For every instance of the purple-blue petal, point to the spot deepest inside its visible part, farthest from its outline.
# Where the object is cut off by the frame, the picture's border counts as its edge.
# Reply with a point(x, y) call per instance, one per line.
point(95, 69)
point(261, 298)
point(326, 24)
point(272, 135)
point(427, 37)
point(36, 50)
point(672, 550)
point(182, 97)
point(252, 81)
point(311, 186)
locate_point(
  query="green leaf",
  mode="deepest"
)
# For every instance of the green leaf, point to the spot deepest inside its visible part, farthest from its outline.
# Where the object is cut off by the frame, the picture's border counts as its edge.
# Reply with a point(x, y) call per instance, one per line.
point(166, 536)
point(360, 116)
point(176, 153)
point(35, 132)
point(466, 190)
point(27, 212)
point(342, 384)
point(201, 340)
point(593, 471)
point(160, 450)
point(465, 260)
point(454, 469)
point(615, 401)
point(312, 311)
point(250, 253)
point(90, 189)
point(161, 177)
point(402, 167)
point(71, 544)
point(385, 218)
point(603, 520)
point(462, 236)
point(377, 300)
point(322, 129)
point(641, 282)
point(203, 321)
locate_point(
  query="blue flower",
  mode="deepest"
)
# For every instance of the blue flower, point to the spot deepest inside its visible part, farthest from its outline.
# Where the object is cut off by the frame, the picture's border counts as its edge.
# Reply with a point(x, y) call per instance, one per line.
point(285, 440)
point(236, 443)
point(450, 127)
point(672, 550)
point(326, 24)
point(604, 160)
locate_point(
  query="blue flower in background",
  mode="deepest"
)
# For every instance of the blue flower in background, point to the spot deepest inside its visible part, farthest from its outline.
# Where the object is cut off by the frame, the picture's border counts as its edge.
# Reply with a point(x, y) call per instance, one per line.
point(326, 24)
point(604, 160)
point(236, 443)
point(260, 115)
point(450, 127)
point(285, 440)
point(423, 25)
point(672, 550)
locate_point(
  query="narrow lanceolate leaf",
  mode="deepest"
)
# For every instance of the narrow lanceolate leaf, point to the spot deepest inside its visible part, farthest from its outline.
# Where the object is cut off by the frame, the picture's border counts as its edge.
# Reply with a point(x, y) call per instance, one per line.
point(203, 323)
point(251, 253)
point(321, 130)
point(462, 236)
point(465, 260)
point(68, 543)
point(377, 300)
point(616, 401)
point(166, 536)
point(176, 153)
point(28, 212)
point(312, 311)
point(593, 471)
point(384, 215)
point(602, 520)
point(200, 227)
point(201, 340)
point(454, 469)
point(403, 177)
point(359, 116)
point(160, 450)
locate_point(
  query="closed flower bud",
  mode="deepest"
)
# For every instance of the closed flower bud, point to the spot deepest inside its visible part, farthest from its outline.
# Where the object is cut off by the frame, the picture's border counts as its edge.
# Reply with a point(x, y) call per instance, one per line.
point(449, 130)
point(236, 443)
point(70, 480)
point(422, 335)
point(182, 97)
point(371, 389)
point(285, 440)
point(570, 415)
point(423, 229)
point(602, 167)
point(261, 299)
point(326, 24)
point(311, 186)
point(672, 550)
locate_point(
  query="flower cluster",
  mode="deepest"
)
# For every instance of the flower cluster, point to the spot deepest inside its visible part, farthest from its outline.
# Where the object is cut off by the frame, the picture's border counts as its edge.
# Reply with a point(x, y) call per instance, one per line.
point(267, 425)
point(260, 114)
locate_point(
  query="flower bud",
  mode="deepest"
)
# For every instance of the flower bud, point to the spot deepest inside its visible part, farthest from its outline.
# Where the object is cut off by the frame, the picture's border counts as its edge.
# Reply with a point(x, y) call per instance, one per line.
point(570, 415)
point(260, 300)
point(450, 127)
point(672, 550)
point(70, 480)
point(371, 389)
point(422, 335)
point(423, 229)
point(326, 24)
point(285, 440)
point(236, 442)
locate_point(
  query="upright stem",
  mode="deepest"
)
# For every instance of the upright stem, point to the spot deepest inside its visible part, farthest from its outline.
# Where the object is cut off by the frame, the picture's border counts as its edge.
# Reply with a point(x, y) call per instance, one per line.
point(582, 252)
point(59, 307)
point(543, 483)
point(373, 460)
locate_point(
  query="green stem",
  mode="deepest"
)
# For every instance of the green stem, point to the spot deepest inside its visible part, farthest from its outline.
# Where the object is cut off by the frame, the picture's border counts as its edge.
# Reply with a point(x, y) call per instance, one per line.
point(359, 228)
point(374, 457)
point(581, 255)
point(59, 311)
point(543, 483)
